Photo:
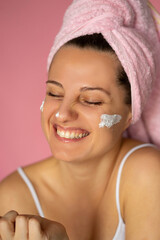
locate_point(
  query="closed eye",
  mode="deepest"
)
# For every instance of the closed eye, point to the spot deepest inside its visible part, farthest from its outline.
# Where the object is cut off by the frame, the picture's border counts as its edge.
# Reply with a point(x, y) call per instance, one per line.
point(93, 103)
point(54, 95)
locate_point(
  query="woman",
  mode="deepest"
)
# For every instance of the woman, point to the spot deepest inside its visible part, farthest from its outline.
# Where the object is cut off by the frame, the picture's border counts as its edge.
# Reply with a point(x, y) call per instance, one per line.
point(98, 184)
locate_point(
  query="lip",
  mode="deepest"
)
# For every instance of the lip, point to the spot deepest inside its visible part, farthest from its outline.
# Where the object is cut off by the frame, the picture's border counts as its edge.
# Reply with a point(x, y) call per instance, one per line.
point(67, 140)
point(79, 130)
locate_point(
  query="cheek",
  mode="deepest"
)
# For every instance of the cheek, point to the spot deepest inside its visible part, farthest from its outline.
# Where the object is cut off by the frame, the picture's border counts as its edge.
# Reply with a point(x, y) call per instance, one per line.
point(108, 137)
point(49, 110)
point(90, 115)
point(109, 120)
point(107, 130)
point(50, 107)
point(93, 118)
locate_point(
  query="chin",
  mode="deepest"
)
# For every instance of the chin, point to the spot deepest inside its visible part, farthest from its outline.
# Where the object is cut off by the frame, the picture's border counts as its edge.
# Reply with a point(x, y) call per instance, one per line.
point(72, 156)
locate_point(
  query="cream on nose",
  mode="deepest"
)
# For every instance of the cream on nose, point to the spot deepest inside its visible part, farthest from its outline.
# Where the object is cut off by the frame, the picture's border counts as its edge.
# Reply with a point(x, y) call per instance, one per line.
point(66, 113)
point(57, 115)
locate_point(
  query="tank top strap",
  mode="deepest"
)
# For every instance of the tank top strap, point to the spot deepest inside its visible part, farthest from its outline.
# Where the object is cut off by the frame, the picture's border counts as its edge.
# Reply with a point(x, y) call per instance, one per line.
point(32, 191)
point(120, 173)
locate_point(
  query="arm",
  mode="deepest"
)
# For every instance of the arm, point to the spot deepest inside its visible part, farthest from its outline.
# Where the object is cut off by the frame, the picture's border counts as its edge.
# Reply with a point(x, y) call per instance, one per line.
point(142, 196)
point(15, 196)
point(13, 226)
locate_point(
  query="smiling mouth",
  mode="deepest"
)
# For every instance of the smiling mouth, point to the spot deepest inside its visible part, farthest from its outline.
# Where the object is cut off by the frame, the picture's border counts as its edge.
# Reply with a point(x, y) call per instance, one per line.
point(70, 133)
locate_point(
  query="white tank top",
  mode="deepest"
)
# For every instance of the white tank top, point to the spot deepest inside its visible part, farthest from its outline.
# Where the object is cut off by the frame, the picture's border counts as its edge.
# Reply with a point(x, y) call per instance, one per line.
point(120, 232)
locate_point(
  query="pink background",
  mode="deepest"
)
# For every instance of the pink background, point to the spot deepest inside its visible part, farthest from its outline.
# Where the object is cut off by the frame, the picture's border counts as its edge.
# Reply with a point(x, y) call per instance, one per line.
point(27, 31)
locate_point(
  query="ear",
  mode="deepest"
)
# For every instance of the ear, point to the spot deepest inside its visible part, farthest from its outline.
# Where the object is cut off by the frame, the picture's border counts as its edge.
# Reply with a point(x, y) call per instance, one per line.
point(128, 119)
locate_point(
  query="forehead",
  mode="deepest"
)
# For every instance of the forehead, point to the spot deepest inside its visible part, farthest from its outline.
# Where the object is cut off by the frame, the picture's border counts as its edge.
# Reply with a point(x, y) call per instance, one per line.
point(84, 65)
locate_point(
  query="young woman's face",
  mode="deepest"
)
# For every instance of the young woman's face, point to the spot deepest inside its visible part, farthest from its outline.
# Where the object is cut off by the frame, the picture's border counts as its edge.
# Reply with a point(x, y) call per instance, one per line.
point(81, 87)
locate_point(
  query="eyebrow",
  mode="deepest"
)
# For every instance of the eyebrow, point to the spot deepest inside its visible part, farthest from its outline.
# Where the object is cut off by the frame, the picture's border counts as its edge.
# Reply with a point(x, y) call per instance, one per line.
point(82, 89)
point(95, 88)
point(54, 82)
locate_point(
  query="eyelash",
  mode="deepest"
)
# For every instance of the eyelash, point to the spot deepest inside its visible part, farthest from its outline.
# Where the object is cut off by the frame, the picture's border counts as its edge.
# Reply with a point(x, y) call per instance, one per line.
point(93, 103)
point(90, 103)
point(54, 95)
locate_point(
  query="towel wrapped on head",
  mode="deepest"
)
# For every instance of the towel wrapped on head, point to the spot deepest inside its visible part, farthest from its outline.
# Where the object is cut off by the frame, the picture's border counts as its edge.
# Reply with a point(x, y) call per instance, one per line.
point(129, 27)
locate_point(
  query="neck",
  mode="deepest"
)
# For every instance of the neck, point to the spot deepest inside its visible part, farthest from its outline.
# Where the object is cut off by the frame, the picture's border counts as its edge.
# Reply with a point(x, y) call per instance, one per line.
point(90, 176)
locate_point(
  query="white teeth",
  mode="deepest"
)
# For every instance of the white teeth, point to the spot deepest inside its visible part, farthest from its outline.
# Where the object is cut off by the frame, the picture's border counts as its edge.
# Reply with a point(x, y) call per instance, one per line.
point(76, 135)
point(60, 133)
point(67, 135)
point(71, 135)
point(80, 135)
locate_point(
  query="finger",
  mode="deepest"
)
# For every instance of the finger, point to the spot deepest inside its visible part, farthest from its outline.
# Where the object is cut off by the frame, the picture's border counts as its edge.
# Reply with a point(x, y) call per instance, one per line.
point(8, 225)
point(55, 230)
point(47, 229)
point(35, 231)
point(10, 217)
point(6, 231)
point(21, 228)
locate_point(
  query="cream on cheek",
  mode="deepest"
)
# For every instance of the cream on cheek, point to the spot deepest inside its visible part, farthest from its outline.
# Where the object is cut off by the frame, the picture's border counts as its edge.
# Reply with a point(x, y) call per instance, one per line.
point(109, 120)
point(42, 105)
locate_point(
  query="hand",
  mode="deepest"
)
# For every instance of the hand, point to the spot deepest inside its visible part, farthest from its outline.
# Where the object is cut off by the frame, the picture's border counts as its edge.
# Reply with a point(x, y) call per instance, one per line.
point(30, 227)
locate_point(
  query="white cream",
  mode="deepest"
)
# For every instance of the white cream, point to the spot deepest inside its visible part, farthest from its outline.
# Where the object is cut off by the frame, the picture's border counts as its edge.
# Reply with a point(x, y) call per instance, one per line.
point(57, 114)
point(42, 105)
point(109, 120)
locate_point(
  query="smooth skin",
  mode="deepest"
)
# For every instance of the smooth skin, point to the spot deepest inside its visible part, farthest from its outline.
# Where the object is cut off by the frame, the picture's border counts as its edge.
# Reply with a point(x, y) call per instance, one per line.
point(76, 186)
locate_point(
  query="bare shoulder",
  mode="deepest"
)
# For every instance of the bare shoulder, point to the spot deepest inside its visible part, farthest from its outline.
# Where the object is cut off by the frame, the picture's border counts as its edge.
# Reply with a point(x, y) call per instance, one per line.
point(143, 163)
point(15, 194)
point(12, 192)
point(141, 193)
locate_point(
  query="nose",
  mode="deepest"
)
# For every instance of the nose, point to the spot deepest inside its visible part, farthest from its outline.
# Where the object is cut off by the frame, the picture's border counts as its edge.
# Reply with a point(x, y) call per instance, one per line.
point(66, 112)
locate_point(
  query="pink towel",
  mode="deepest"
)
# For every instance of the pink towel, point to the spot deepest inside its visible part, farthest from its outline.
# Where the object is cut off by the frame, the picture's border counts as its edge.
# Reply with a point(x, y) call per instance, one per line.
point(129, 27)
